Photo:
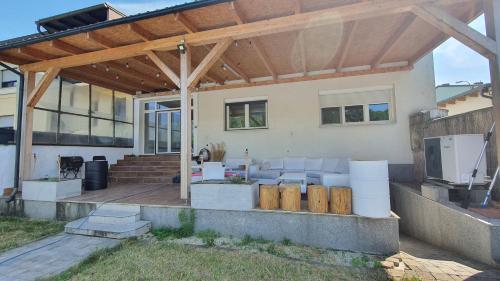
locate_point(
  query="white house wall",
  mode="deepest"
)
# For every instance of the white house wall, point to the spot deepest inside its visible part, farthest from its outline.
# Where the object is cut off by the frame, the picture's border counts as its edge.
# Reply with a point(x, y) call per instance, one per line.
point(45, 163)
point(294, 119)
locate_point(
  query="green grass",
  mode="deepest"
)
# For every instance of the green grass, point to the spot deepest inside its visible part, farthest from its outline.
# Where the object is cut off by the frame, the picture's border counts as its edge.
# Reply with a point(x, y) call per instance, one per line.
point(141, 260)
point(15, 231)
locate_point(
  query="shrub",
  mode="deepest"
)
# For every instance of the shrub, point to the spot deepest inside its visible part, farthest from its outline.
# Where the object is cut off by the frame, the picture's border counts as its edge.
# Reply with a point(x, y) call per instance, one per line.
point(286, 242)
point(208, 237)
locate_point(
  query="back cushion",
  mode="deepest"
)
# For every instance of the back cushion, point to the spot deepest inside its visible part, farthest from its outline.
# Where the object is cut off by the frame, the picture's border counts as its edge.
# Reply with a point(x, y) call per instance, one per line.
point(295, 163)
point(330, 165)
point(272, 164)
point(343, 166)
point(235, 163)
point(314, 164)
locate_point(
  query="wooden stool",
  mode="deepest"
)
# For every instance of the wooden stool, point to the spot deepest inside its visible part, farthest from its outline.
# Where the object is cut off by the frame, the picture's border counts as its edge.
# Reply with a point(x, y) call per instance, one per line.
point(341, 200)
point(290, 197)
point(269, 197)
point(317, 199)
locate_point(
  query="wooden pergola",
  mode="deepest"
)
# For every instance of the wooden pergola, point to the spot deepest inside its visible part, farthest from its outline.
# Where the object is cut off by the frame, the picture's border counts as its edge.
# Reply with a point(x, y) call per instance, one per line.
point(243, 43)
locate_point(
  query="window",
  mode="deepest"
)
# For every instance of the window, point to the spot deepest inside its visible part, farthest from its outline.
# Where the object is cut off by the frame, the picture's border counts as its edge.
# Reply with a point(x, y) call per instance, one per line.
point(75, 113)
point(357, 106)
point(379, 112)
point(8, 78)
point(354, 113)
point(331, 115)
point(246, 115)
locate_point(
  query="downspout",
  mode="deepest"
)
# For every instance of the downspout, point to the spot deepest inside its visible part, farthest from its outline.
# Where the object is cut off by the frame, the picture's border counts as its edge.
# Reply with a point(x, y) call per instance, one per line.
point(20, 98)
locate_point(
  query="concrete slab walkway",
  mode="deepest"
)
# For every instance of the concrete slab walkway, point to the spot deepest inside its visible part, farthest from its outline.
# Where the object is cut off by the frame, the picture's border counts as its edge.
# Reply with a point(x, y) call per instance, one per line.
point(427, 262)
point(49, 256)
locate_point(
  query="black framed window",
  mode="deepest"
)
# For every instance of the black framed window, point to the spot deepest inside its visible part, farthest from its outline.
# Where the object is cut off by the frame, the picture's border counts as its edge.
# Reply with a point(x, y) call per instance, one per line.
point(75, 113)
point(246, 115)
point(331, 115)
point(8, 78)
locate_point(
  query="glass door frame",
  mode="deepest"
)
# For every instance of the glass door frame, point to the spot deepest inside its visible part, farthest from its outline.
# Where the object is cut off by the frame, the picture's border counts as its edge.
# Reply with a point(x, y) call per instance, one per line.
point(169, 131)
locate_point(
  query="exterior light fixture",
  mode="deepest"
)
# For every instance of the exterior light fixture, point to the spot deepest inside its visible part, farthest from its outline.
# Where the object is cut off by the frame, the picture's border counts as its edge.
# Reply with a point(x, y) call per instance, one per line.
point(181, 47)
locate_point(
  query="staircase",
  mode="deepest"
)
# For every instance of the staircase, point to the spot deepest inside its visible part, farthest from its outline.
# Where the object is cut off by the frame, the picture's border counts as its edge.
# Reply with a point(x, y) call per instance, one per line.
point(145, 169)
point(116, 221)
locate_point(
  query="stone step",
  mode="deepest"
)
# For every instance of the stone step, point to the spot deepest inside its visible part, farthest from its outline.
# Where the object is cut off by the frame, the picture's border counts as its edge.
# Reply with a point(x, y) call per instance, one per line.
point(141, 179)
point(146, 174)
point(147, 163)
point(116, 231)
point(152, 158)
point(145, 168)
point(114, 217)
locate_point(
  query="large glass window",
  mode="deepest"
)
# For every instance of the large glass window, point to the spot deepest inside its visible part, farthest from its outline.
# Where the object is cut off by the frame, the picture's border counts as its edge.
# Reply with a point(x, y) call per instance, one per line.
point(246, 115)
point(8, 79)
point(75, 113)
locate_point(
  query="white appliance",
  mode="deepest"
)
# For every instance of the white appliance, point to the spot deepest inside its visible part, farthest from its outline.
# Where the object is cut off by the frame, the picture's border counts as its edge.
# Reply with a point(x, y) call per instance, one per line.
point(452, 158)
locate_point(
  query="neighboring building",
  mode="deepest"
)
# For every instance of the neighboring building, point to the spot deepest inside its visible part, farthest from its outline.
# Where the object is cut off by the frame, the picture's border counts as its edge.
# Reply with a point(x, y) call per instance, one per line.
point(458, 99)
point(8, 89)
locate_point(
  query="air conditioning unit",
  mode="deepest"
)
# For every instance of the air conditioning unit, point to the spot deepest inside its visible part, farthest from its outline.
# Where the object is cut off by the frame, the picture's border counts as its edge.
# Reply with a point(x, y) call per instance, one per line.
point(452, 158)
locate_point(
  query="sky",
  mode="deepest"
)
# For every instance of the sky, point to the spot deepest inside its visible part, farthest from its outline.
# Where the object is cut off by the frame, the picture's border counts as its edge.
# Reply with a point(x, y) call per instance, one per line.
point(453, 61)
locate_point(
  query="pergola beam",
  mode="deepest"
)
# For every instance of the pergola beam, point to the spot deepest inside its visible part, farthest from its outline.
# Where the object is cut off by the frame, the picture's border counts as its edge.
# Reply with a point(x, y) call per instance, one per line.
point(357, 11)
point(190, 28)
point(34, 53)
point(164, 68)
point(42, 86)
point(457, 29)
point(205, 65)
point(393, 40)
point(300, 39)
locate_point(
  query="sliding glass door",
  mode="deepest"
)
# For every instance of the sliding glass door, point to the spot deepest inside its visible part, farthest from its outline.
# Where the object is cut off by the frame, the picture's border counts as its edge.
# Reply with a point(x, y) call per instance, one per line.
point(168, 132)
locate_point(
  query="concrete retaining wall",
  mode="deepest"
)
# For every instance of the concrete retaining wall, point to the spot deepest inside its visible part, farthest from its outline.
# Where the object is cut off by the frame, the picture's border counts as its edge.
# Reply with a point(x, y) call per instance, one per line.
point(353, 233)
point(446, 225)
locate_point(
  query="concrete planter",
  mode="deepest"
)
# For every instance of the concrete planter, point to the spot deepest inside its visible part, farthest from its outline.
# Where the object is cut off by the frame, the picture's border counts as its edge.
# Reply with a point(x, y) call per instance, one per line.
point(222, 196)
point(51, 191)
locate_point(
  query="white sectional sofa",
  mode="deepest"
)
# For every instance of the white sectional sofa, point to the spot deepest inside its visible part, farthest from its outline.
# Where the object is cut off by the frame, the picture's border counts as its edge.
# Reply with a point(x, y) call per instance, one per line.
point(314, 168)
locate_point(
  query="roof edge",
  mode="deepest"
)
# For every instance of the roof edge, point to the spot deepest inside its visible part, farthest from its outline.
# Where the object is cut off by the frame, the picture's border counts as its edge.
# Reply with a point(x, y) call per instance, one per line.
point(128, 19)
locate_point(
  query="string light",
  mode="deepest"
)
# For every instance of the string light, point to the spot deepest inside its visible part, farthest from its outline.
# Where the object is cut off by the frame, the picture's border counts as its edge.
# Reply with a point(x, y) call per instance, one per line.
point(107, 68)
point(117, 76)
point(158, 75)
point(142, 82)
point(126, 65)
point(94, 66)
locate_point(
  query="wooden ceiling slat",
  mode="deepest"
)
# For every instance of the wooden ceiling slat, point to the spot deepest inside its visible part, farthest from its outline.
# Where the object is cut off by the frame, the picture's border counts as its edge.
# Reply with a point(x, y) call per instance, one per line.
point(239, 18)
point(301, 41)
point(99, 39)
point(142, 32)
point(393, 40)
point(35, 53)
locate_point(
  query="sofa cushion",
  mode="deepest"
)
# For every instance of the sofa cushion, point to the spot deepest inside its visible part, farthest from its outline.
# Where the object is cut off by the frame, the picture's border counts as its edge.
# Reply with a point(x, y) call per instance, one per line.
point(330, 165)
point(314, 174)
point(265, 174)
point(272, 164)
point(313, 164)
point(343, 166)
point(294, 164)
point(236, 163)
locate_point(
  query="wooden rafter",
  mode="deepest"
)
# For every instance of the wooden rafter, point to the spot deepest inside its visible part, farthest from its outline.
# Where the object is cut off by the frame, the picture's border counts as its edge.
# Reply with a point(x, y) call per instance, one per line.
point(190, 28)
point(459, 30)
point(142, 32)
point(347, 36)
point(300, 39)
point(42, 86)
point(100, 39)
point(393, 40)
point(120, 69)
point(164, 68)
point(35, 53)
point(98, 80)
point(259, 48)
point(357, 11)
point(205, 65)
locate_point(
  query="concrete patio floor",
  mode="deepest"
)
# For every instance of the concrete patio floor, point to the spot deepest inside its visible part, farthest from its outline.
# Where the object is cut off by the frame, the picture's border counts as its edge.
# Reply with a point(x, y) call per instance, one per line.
point(428, 262)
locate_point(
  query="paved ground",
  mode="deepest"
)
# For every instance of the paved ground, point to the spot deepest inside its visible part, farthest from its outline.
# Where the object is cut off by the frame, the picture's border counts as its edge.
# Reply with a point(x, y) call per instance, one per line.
point(430, 263)
point(49, 256)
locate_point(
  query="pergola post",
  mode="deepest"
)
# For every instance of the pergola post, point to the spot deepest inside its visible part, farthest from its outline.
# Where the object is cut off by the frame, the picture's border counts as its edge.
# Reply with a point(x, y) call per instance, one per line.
point(492, 18)
point(186, 149)
point(25, 168)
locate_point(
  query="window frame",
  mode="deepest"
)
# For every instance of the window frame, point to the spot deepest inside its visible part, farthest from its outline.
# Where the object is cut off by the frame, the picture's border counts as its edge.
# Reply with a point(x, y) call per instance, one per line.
point(246, 104)
point(2, 82)
point(366, 114)
point(89, 117)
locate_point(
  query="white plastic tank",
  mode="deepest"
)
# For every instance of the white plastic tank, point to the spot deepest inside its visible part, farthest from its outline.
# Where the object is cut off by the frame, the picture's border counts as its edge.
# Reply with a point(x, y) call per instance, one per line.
point(369, 181)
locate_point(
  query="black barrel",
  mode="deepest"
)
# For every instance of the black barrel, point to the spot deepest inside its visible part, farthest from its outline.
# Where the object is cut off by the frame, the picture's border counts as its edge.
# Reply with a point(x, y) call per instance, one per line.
point(96, 175)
